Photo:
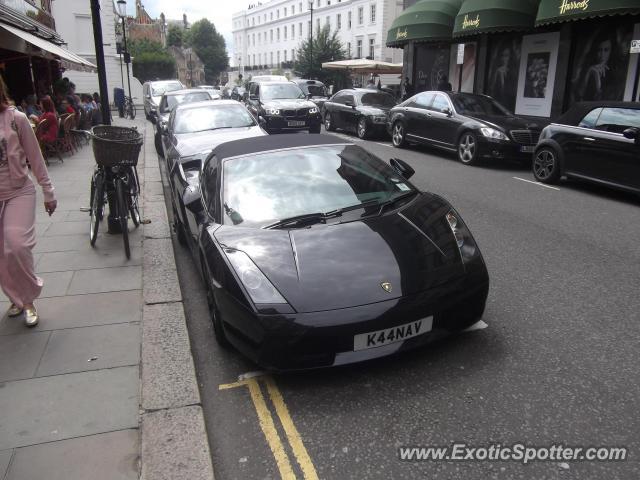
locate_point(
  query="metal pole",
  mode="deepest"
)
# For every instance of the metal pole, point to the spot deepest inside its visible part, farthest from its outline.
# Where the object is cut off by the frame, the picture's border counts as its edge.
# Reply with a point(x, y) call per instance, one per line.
point(460, 79)
point(124, 41)
point(102, 72)
point(311, 43)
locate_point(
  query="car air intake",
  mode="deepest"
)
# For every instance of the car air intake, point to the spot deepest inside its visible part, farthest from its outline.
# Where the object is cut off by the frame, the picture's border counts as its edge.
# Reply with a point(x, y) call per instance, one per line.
point(525, 137)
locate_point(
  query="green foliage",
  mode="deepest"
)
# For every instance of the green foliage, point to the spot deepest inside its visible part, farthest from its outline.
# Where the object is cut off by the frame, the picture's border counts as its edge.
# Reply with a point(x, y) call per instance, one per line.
point(210, 46)
point(151, 61)
point(312, 53)
point(175, 36)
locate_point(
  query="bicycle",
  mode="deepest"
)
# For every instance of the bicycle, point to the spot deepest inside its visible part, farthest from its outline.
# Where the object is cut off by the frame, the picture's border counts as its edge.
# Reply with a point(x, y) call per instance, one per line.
point(116, 151)
point(129, 108)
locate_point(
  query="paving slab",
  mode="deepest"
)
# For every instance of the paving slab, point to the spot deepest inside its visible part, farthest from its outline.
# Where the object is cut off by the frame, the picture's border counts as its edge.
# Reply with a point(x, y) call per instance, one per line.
point(106, 280)
point(67, 228)
point(174, 445)
point(160, 276)
point(65, 243)
point(5, 459)
point(156, 213)
point(20, 354)
point(152, 174)
point(90, 348)
point(88, 259)
point(79, 311)
point(66, 406)
point(106, 456)
point(55, 285)
point(153, 192)
point(168, 374)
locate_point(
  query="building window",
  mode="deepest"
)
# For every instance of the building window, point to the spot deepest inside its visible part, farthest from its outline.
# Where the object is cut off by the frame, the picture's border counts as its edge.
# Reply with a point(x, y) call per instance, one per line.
point(293, 31)
point(372, 48)
point(284, 30)
point(309, 27)
point(271, 59)
point(293, 9)
point(317, 24)
point(278, 57)
point(254, 58)
point(271, 35)
point(293, 54)
point(253, 39)
point(285, 55)
point(360, 15)
point(278, 13)
point(349, 20)
point(328, 2)
point(348, 49)
point(300, 7)
point(253, 22)
point(270, 15)
point(327, 21)
point(372, 13)
point(318, 3)
point(300, 29)
point(338, 22)
point(278, 34)
point(285, 12)
point(359, 48)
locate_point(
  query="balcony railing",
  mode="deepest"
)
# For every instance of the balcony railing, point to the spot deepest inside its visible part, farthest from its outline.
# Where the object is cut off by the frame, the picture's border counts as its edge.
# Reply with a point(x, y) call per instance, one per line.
point(32, 11)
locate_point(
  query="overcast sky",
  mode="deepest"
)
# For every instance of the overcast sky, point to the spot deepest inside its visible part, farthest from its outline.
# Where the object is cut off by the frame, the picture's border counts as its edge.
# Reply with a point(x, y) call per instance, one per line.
point(217, 12)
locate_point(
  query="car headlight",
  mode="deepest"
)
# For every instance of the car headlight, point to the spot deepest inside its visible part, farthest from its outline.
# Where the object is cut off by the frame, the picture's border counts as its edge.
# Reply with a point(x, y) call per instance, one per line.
point(313, 110)
point(272, 111)
point(464, 240)
point(380, 119)
point(493, 133)
point(259, 288)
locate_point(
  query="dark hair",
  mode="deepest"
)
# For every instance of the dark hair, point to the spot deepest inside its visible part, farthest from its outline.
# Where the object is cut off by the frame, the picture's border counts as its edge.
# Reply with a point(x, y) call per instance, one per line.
point(96, 97)
point(47, 104)
point(4, 96)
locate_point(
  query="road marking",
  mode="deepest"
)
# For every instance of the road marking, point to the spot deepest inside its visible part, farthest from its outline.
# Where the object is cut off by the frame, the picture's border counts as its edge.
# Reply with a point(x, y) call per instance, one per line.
point(300, 452)
point(536, 183)
point(383, 144)
point(252, 381)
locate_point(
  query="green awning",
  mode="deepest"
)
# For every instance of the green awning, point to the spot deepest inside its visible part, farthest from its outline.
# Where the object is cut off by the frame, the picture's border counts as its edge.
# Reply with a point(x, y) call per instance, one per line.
point(426, 21)
point(482, 16)
point(554, 11)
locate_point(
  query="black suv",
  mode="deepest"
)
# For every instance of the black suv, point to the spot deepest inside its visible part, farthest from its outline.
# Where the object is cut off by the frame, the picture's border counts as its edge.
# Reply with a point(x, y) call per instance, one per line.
point(282, 106)
point(315, 90)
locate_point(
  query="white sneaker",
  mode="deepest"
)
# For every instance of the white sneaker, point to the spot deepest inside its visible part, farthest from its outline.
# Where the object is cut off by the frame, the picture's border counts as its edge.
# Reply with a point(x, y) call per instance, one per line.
point(14, 311)
point(31, 316)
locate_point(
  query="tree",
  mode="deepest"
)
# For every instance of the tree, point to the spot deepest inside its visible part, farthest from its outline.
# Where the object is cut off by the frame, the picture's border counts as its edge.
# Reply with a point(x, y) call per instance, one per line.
point(151, 61)
point(326, 48)
point(175, 36)
point(210, 47)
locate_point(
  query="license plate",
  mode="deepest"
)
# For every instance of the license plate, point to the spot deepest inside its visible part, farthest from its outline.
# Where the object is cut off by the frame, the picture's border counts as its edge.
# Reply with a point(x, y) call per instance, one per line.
point(387, 336)
point(527, 148)
point(296, 123)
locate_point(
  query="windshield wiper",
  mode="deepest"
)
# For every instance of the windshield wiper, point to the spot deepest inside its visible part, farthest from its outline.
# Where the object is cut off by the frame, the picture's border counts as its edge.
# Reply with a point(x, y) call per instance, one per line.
point(304, 219)
point(393, 200)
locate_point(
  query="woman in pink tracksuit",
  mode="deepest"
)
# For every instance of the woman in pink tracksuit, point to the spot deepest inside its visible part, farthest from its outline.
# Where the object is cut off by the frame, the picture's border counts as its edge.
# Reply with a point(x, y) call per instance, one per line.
point(18, 144)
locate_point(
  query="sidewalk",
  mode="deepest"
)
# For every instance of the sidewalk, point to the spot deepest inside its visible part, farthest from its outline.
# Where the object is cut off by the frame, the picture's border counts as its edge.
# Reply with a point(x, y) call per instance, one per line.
point(81, 395)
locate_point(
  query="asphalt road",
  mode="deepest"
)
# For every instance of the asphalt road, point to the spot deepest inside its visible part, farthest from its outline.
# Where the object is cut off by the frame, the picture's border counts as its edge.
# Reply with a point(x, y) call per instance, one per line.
point(557, 364)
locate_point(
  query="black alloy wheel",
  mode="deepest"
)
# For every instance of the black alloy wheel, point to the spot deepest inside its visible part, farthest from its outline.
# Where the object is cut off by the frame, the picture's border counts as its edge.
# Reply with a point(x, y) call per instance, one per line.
point(546, 168)
point(362, 130)
point(158, 144)
point(218, 328)
point(398, 135)
point(468, 148)
point(328, 122)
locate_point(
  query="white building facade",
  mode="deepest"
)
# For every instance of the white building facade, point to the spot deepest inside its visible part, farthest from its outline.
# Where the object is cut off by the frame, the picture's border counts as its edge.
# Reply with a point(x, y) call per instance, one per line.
point(270, 33)
point(73, 22)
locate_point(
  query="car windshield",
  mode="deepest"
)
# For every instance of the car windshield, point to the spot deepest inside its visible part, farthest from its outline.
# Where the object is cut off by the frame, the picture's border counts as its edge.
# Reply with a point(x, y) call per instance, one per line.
point(160, 88)
point(316, 90)
point(268, 187)
point(377, 100)
point(279, 91)
point(478, 105)
point(212, 117)
point(173, 100)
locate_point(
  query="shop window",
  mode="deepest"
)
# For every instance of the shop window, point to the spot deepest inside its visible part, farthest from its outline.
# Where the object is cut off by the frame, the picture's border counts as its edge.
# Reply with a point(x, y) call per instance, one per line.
point(502, 70)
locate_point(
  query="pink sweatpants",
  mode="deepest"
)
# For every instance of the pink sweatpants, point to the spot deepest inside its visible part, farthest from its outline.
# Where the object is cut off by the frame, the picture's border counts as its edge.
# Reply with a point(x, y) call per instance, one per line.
point(17, 238)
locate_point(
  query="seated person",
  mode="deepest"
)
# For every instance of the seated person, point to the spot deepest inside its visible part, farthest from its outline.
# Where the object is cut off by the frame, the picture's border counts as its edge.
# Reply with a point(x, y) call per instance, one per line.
point(51, 133)
point(33, 111)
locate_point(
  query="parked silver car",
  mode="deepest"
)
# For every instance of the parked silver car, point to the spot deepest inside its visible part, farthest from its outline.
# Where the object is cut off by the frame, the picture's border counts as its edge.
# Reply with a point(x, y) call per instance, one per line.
point(152, 92)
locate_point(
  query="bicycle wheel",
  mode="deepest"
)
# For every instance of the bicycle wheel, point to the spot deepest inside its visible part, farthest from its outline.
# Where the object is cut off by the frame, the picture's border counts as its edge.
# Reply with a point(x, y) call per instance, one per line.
point(96, 207)
point(134, 188)
point(132, 114)
point(122, 201)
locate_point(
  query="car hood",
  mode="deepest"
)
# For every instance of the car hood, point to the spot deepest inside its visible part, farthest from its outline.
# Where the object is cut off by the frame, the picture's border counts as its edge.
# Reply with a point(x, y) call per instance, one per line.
point(193, 143)
point(373, 110)
point(343, 265)
point(507, 122)
point(288, 104)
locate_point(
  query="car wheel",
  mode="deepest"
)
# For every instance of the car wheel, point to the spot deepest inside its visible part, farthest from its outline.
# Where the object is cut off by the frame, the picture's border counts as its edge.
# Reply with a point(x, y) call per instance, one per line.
point(315, 129)
point(468, 148)
point(398, 135)
point(362, 128)
point(179, 229)
point(328, 122)
point(546, 166)
point(158, 144)
point(218, 329)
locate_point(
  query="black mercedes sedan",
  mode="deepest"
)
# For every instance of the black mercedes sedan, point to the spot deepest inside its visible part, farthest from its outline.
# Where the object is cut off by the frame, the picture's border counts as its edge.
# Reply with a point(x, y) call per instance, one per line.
point(193, 130)
point(475, 126)
point(315, 90)
point(358, 110)
point(315, 253)
point(282, 106)
point(594, 141)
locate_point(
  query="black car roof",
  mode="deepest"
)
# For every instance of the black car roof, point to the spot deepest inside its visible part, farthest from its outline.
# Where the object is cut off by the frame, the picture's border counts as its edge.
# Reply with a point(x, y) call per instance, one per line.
point(576, 113)
point(249, 146)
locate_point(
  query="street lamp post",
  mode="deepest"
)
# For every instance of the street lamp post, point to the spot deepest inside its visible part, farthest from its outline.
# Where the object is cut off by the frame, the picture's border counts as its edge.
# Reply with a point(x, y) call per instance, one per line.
point(122, 13)
point(311, 41)
point(102, 75)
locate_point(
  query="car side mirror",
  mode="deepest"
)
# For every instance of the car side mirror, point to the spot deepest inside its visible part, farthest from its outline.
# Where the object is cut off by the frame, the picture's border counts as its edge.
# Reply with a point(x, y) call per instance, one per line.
point(192, 199)
point(402, 167)
point(632, 133)
point(447, 111)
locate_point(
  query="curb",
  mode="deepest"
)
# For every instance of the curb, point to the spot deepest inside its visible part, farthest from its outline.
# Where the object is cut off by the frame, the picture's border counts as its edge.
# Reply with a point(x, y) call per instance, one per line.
point(173, 432)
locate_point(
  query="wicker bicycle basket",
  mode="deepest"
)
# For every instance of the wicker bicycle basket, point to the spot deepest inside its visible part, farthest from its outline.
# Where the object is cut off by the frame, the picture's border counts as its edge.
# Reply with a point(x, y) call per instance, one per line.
point(114, 146)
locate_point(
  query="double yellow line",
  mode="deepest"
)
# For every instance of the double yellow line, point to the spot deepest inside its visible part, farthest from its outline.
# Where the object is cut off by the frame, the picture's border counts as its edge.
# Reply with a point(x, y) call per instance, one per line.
point(268, 427)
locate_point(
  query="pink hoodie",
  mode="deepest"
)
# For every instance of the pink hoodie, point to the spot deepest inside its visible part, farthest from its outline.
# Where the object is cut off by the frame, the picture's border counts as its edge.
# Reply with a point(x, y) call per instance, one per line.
point(22, 145)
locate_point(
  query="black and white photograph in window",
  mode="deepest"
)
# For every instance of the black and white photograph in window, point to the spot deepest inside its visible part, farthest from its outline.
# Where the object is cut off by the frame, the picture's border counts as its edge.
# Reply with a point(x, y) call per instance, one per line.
point(537, 73)
point(601, 62)
point(502, 76)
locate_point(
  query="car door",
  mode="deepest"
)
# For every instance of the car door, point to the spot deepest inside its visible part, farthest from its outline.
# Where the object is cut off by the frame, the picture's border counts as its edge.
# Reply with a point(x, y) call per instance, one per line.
point(609, 156)
point(442, 127)
point(418, 116)
point(349, 113)
point(576, 143)
point(253, 100)
point(333, 107)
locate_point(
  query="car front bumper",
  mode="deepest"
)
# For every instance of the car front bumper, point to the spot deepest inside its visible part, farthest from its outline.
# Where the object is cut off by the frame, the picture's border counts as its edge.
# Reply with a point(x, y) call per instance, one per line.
point(324, 339)
point(504, 149)
point(278, 122)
